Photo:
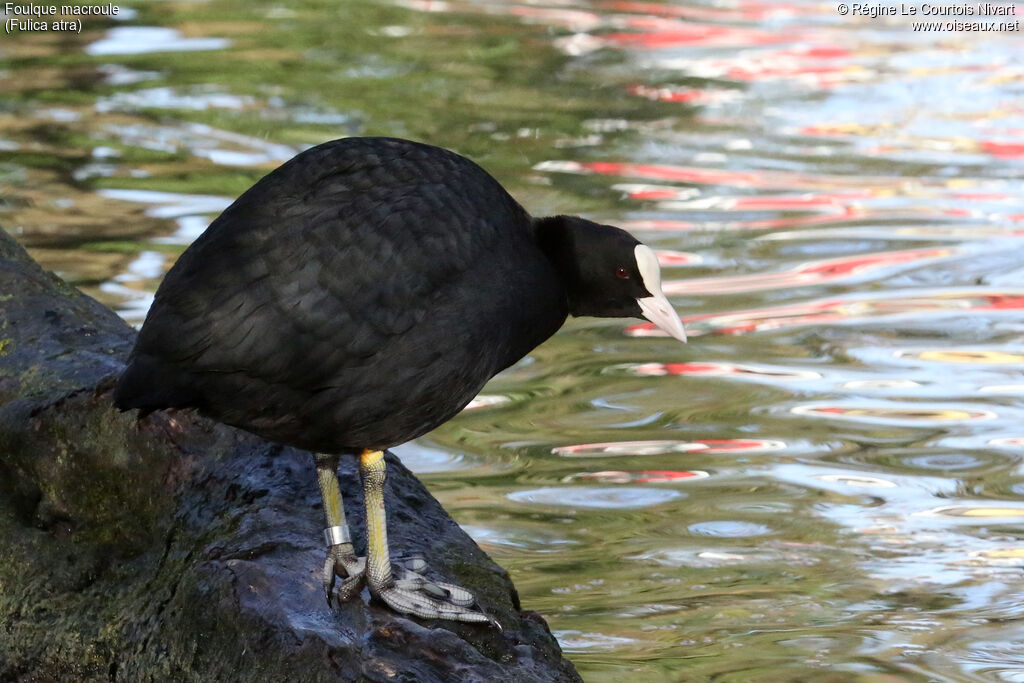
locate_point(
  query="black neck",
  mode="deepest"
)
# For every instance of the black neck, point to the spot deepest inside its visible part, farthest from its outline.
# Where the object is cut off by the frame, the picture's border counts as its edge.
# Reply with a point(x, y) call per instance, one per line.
point(555, 239)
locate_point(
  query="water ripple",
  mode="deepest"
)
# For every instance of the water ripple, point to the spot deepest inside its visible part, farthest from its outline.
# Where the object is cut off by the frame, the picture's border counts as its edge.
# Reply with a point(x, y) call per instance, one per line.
point(828, 480)
point(643, 448)
point(623, 498)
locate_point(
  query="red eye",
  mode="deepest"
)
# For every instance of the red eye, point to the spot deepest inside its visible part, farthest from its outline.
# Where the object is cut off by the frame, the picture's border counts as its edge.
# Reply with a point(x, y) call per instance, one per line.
point(622, 273)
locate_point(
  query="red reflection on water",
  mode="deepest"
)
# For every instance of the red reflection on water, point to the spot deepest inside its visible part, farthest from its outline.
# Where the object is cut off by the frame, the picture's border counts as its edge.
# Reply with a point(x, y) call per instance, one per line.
point(668, 225)
point(856, 186)
point(830, 207)
point(818, 64)
point(838, 310)
point(995, 148)
point(713, 369)
point(644, 476)
point(644, 192)
point(620, 13)
point(829, 199)
point(655, 193)
point(670, 259)
point(1003, 150)
point(658, 35)
point(742, 11)
point(983, 196)
point(628, 448)
point(782, 202)
point(698, 176)
point(653, 476)
point(814, 272)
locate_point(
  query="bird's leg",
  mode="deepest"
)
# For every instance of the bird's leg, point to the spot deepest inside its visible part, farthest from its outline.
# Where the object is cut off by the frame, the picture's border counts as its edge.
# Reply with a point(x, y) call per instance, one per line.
point(411, 593)
point(341, 557)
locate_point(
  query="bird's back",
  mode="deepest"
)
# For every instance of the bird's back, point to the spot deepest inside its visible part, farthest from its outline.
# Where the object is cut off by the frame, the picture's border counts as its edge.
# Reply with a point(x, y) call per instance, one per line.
point(359, 295)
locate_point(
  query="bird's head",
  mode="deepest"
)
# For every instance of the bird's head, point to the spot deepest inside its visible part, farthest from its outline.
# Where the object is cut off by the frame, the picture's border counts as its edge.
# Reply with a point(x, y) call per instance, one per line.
point(607, 272)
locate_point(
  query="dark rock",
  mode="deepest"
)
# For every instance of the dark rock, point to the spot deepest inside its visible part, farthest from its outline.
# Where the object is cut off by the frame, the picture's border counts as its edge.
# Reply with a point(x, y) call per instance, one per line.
point(176, 548)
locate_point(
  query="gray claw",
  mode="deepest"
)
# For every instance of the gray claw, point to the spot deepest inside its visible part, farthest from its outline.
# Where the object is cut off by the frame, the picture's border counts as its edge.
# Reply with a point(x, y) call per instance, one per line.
point(342, 561)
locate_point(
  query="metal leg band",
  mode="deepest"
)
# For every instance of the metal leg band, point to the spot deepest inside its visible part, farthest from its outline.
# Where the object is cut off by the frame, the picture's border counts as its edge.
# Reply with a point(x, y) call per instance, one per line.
point(334, 535)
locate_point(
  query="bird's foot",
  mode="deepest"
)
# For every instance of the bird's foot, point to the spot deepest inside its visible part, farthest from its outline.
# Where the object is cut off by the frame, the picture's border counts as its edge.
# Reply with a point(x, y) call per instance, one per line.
point(412, 593)
point(342, 562)
point(408, 591)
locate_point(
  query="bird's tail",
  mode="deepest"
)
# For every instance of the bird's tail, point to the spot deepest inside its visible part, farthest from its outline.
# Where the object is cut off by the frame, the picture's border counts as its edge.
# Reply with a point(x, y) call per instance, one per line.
point(149, 385)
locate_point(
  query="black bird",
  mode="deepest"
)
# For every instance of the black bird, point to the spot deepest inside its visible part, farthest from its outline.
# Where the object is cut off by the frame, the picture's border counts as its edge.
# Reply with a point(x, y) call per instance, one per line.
point(361, 295)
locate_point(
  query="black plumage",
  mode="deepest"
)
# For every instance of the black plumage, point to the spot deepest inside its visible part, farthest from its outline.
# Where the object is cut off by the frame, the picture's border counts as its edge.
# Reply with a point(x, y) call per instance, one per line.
point(327, 307)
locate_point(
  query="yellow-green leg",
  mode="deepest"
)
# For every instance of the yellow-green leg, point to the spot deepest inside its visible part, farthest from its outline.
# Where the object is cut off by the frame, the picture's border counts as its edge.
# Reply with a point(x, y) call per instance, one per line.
point(341, 557)
point(412, 593)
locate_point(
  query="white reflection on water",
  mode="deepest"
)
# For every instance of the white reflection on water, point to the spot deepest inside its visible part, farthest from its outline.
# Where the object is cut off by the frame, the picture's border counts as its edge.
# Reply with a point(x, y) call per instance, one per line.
point(423, 459)
point(202, 140)
point(146, 266)
point(729, 529)
point(573, 641)
point(917, 534)
point(191, 212)
point(619, 498)
point(165, 97)
point(137, 40)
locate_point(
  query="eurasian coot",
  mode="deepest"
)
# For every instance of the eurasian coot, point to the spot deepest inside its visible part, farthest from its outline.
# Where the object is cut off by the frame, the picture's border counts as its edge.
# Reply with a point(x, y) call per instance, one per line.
point(359, 296)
